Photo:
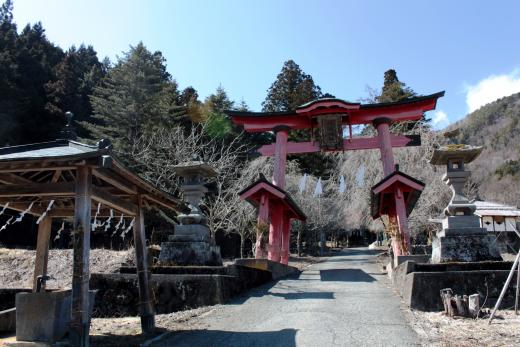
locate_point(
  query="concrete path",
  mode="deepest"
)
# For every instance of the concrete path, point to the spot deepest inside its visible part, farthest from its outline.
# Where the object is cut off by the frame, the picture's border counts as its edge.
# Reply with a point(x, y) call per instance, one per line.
point(343, 301)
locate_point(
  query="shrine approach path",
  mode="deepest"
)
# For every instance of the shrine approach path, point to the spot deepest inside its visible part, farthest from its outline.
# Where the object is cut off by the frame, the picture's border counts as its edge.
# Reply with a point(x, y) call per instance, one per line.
point(342, 301)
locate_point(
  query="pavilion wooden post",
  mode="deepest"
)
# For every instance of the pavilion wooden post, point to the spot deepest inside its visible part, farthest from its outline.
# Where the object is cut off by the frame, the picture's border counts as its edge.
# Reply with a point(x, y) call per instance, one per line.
point(80, 320)
point(146, 309)
point(42, 251)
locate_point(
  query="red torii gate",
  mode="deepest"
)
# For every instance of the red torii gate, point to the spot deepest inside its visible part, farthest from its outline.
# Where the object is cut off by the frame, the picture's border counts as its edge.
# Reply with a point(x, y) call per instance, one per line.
point(393, 197)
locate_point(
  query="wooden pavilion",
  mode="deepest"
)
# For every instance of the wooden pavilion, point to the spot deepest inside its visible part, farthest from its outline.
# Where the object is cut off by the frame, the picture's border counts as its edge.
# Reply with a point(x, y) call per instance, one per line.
point(75, 175)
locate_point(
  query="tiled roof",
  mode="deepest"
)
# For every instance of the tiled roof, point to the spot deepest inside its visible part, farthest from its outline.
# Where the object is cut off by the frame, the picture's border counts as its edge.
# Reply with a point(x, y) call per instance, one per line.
point(58, 148)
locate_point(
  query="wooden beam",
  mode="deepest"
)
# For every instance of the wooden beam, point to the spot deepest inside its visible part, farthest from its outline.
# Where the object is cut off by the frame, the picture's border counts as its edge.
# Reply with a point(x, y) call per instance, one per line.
point(15, 168)
point(114, 202)
point(115, 180)
point(42, 251)
point(348, 145)
point(38, 189)
point(10, 178)
point(56, 176)
point(146, 307)
point(80, 320)
point(159, 201)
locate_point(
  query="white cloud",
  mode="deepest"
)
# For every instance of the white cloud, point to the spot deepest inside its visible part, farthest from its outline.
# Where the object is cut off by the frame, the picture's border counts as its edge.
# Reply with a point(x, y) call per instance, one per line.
point(492, 88)
point(440, 119)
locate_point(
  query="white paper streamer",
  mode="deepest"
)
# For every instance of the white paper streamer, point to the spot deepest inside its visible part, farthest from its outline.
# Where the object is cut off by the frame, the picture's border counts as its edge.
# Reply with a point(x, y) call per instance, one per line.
point(94, 224)
point(120, 221)
point(128, 228)
point(22, 214)
point(58, 234)
point(301, 186)
point(5, 207)
point(6, 224)
point(342, 185)
point(45, 213)
point(107, 223)
point(318, 190)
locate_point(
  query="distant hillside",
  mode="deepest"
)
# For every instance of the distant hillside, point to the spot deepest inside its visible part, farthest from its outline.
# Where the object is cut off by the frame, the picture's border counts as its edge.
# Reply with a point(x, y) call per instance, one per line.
point(496, 126)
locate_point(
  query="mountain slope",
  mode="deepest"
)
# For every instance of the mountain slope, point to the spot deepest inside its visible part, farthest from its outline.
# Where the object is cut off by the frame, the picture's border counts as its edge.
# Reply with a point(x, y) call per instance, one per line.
point(496, 126)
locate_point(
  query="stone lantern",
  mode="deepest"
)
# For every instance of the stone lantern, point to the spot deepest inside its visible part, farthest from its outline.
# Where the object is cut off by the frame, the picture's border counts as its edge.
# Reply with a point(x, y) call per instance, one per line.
point(462, 238)
point(191, 243)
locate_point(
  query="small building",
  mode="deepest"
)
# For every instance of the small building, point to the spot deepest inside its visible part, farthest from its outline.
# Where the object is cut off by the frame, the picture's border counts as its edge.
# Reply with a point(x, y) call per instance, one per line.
point(496, 217)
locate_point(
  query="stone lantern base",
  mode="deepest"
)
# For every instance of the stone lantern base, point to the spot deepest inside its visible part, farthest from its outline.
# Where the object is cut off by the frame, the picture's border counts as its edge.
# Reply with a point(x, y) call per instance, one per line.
point(190, 245)
point(463, 240)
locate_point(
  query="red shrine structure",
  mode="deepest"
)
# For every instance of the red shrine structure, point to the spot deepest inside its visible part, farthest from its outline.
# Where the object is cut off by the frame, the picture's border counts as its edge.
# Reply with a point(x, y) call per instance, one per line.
point(327, 120)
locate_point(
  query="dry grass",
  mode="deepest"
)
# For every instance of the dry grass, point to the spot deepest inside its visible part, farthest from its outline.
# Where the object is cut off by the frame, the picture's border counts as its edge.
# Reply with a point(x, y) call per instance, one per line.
point(17, 265)
point(439, 330)
point(127, 331)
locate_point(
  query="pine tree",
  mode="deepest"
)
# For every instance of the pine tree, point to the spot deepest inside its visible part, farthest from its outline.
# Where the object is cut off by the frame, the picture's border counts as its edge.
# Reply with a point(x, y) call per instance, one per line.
point(217, 123)
point(75, 78)
point(136, 97)
point(26, 65)
point(394, 90)
point(292, 88)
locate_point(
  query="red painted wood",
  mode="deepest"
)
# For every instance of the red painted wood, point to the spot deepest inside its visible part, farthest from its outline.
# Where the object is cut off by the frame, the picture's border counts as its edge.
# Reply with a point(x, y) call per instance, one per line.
point(398, 181)
point(280, 158)
point(263, 219)
point(385, 146)
point(402, 220)
point(275, 230)
point(256, 192)
point(286, 232)
point(363, 115)
point(348, 145)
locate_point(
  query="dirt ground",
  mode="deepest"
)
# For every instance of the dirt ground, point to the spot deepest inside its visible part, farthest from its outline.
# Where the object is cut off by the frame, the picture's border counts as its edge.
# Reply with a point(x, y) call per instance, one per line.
point(17, 265)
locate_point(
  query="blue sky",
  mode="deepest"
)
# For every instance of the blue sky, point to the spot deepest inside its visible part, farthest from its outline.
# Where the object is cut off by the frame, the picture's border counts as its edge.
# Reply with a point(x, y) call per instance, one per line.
point(468, 48)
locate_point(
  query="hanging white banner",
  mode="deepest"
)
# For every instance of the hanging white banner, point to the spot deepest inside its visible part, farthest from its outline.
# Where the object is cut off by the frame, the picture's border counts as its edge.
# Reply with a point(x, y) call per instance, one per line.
point(301, 185)
point(319, 189)
point(342, 185)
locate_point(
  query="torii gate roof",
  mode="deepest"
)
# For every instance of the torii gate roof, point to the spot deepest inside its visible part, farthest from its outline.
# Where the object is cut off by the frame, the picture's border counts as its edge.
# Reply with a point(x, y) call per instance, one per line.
point(303, 117)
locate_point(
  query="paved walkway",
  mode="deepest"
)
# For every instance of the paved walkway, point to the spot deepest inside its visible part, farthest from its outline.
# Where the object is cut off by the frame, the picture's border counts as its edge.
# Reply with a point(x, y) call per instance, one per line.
point(343, 301)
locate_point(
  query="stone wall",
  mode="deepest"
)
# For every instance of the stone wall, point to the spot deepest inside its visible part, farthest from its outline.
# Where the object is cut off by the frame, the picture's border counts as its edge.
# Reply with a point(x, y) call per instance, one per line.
point(420, 284)
point(118, 293)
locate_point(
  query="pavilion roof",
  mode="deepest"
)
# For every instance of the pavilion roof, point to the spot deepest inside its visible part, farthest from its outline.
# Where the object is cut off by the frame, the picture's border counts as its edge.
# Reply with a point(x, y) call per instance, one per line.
point(351, 113)
point(43, 171)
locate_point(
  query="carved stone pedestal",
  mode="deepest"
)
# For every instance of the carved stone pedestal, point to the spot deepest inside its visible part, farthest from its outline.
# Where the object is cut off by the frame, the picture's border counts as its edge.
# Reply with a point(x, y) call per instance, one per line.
point(462, 239)
point(191, 245)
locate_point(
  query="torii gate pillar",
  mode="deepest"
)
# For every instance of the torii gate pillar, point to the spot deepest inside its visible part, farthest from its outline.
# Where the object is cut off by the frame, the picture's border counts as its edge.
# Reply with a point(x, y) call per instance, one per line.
point(280, 225)
point(398, 217)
